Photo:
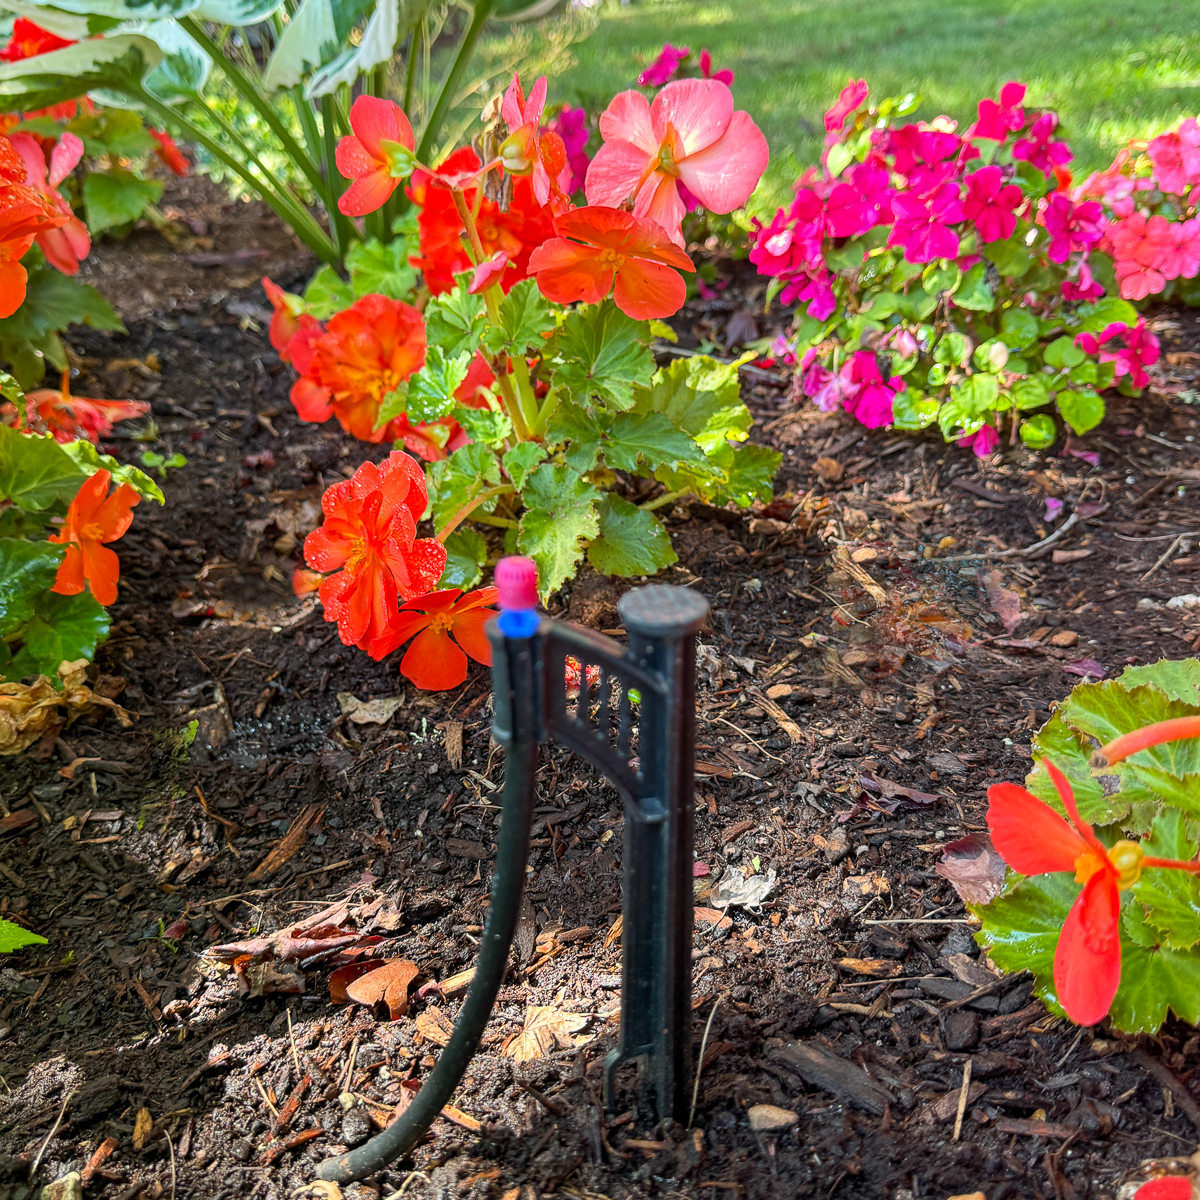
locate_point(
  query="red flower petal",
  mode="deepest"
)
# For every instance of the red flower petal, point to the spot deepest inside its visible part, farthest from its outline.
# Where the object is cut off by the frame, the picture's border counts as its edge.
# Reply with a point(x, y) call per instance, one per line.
point(647, 290)
point(468, 632)
point(1030, 836)
point(1087, 962)
point(433, 662)
point(374, 120)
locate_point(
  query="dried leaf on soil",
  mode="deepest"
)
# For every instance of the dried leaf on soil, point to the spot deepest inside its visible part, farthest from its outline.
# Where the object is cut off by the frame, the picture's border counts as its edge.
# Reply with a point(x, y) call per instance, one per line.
point(895, 795)
point(1088, 668)
point(1006, 604)
point(548, 1027)
point(298, 942)
point(734, 889)
point(388, 983)
point(29, 711)
point(143, 1123)
point(435, 1025)
point(368, 712)
point(454, 742)
point(973, 868)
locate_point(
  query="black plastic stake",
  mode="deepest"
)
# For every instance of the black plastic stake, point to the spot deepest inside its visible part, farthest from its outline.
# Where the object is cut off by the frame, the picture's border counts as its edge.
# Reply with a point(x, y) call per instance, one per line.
point(632, 715)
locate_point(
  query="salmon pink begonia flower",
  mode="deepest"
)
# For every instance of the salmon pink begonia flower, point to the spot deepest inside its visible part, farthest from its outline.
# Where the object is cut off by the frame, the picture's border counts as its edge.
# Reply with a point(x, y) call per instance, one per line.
point(93, 519)
point(65, 245)
point(369, 541)
point(690, 135)
point(377, 156)
point(1139, 244)
point(1176, 157)
point(997, 120)
point(25, 212)
point(444, 624)
point(992, 204)
point(848, 101)
point(597, 246)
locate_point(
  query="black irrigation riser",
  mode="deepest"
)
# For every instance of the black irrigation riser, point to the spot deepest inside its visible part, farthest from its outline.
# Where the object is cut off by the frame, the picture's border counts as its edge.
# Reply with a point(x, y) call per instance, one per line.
point(632, 715)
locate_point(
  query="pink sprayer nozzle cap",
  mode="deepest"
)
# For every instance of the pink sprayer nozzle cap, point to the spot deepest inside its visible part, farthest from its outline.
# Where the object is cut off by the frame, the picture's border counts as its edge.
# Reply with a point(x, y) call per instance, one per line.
point(516, 577)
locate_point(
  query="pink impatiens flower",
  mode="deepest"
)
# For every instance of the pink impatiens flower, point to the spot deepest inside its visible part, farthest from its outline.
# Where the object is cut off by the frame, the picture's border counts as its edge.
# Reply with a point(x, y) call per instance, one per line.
point(1181, 258)
point(664, 66)
point(852, 95)
point(983, 442)
point(1087, 289)
point(724, 76)
point(571, 125)
point(1072, 226)
point(1128, 349)
point(860, 201)
point(992, 204)
point(922, 224)
point(690, 135)
point(866, 396)
point(1176, 158)
point(997, 120)
point(1038, 150)
point(377, 157)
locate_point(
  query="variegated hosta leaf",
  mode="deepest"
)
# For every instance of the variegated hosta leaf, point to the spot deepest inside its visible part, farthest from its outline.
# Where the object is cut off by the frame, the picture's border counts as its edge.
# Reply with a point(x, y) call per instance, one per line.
point(63, 24)
point(115, 62)
point(236, 12)
point(125, 10)
point(377, 45)
point(314, 36)
point(184, 68)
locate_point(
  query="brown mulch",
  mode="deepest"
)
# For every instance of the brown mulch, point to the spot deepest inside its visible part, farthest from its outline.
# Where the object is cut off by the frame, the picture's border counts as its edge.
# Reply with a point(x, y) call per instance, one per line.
point(854, 998)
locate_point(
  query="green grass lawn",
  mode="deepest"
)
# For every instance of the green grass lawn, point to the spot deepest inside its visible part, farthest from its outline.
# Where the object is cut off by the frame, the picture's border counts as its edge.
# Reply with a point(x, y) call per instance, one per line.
point(1113, 69)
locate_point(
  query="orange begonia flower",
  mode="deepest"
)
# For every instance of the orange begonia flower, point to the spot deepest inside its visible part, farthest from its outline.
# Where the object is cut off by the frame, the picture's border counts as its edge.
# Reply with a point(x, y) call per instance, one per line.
point(377, 157)
point(70, 242)
point(24, 213)
point(29, 40)
point(70, 418)
point(597, 245)
point(348, 369)
point(1034, 840)
point(442, 623)
point(287, 319)
point(528, 151)
point(93, 519)
point(168, 151)
point(369, 539)
point(516, 232)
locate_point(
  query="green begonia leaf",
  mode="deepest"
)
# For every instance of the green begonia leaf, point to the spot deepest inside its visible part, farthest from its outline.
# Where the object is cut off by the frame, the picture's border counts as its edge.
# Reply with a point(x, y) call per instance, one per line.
point(600, 353)
point(382, 270)
point(27, 571)
point(560, 516)
point(1171, 898)
point(466, 552)
point(631, 541)
point(36, 473)
point(13, 937)
point(455, 481)
point(524, 317)
point(62, 629)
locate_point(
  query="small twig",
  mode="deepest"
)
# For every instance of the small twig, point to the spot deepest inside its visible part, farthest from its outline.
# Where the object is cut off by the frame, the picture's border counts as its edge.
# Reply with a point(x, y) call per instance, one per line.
point(292, 1039)
point(348, 1078)
point(1070, 1049)
point(700, 1060)
point(266, 1099)
point(1166, 555)
point(962, 1099)
point(922, 921)
point(171, 1150)
point(551, 1106)
point(1045, 543)
point(757, 745)
point(53, 1130)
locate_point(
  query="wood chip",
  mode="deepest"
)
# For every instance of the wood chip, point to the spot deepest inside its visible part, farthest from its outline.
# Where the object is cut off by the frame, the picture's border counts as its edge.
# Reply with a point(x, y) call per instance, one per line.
point(873, 968)
point(777, 715)
point(289, 844)
point(454, 742)
point(143, 1123)
point(831, 1073)
point(434, 1025)
point(1031, 1128)
point(714, 916)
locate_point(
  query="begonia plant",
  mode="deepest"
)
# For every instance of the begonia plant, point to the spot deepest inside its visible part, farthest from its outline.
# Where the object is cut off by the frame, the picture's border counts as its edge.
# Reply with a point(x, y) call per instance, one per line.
point(527, 384)
point(1103, 907)
point(950, 276)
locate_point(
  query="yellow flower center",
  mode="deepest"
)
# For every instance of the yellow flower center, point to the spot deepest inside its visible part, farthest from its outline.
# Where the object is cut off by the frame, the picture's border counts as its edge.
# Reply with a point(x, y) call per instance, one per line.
point(1087, 864)
point(668, 152)
point(1127, 857)
point(610, 259)
point(360, 552)
point(442, 623)
point(91, 533)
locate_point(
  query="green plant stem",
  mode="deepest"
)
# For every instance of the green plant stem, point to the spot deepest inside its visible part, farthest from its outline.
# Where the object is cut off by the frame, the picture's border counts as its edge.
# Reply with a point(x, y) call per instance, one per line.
point(664, 500)
point(483, 10)
point(410, 67)
point(246, 88)
point(498, 522)
point(287, 207)
point(338, 222)
point(312, 137)
point(548, 409)
point(526, 396)
point(504, 489)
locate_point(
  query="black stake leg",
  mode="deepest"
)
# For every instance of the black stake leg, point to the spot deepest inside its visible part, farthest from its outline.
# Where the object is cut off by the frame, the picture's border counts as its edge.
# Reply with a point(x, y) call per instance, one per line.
point(518, 723)
point(656, 925)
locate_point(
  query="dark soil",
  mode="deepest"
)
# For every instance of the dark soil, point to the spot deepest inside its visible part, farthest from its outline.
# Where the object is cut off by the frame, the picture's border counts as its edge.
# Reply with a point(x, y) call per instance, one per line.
point(146, 855)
